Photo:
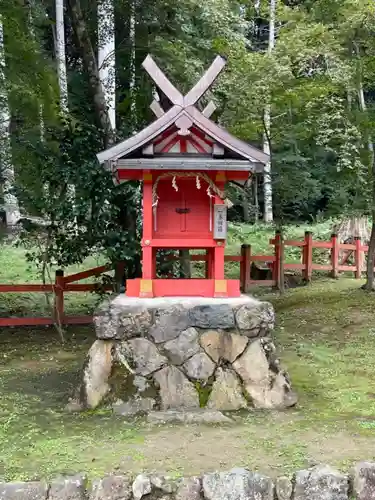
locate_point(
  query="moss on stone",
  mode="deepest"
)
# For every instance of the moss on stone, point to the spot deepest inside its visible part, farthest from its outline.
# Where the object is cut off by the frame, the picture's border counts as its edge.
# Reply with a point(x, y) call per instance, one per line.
point(204, 390)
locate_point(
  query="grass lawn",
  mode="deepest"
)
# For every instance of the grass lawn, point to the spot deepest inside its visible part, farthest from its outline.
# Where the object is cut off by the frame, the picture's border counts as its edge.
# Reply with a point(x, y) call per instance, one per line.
point(326, 337)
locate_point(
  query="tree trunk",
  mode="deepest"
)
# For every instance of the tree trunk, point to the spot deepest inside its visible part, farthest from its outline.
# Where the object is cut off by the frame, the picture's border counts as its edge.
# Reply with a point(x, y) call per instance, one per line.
point(91, 67)
point(106, 55)
point(132, 81)
point(256, 198)
point(267, 186)
point(60, 55)
point(185, 264)
point(11, 207)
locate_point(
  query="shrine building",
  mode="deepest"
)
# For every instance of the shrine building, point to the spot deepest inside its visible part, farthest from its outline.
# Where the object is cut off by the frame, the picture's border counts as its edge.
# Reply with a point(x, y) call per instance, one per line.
point(184, 160)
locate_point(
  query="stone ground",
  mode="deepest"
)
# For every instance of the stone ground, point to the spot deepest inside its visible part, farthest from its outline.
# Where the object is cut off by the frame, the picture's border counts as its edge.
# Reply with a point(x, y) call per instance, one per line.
point(326, 338)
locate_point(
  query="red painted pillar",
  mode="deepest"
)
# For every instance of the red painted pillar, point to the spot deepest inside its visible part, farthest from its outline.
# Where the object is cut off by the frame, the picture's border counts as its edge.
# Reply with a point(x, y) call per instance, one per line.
point(148, 265)
point(308, 256)
point(358, 257)
point(219, 251)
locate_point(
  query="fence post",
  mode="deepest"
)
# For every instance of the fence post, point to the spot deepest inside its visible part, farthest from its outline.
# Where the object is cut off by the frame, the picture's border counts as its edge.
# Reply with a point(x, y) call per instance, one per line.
point(59, 296)
point(308, 256)
point(335, 256)
point(245, 267)
point(281, 284)
point(358, 257)
point(276, 266)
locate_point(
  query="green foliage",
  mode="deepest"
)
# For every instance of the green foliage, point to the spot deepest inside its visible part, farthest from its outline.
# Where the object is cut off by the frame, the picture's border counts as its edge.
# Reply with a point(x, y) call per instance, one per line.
point(320, 131)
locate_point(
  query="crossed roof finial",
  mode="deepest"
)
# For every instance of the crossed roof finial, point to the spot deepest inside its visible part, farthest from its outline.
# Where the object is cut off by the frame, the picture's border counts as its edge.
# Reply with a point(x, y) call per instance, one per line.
point(174, 95)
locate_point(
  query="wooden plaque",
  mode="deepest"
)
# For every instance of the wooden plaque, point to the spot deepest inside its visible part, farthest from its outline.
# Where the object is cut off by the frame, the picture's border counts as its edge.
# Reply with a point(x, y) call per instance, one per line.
point(220, 222)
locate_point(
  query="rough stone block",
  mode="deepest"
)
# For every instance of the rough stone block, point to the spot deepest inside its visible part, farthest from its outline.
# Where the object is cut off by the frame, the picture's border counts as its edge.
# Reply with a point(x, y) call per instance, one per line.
point(183, 347)
point(253, 365)
point(238, 484)
point(321, 483)
point(164, 484)
point(364, 481)
point(190, 489)
point(266, 387)
point(223, 345)
point(212, 316)
point(112, 321)
point(141, 486)
point(199, 367)
point(255, 319)
point(226, 392)
point(96, 372)
point(111, 488)
point(142, 355)
point(134, 407)
point(169, 323)
point(175, 389)
point(23, 491)
point(284, 488)
point(68, 488)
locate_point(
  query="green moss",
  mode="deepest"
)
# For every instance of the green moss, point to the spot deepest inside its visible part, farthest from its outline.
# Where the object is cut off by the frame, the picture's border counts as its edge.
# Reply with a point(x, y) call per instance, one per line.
point(204, 390)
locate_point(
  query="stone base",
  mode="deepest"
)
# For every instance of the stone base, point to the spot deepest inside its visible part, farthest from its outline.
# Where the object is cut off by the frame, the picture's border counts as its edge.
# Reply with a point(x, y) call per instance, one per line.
point(183, 353)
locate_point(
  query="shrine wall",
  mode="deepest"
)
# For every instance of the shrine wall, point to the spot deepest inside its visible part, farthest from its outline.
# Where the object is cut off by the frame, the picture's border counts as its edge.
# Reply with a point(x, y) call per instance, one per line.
point(320, 482)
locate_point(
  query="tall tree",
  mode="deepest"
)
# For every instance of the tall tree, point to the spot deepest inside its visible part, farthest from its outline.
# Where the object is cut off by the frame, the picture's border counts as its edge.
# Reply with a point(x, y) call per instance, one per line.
point(11, 207)
point(60, 55)
point(106, 55)
point(267, 184)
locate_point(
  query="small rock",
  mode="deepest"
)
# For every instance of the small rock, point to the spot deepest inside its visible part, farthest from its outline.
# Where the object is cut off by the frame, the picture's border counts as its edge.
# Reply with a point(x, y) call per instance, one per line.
point(134, 407)
point(222, 345)
point(279, 396)
point(111, 488)
point(164, 484)
point(284, 488)
point(255, 319)
point(226, 392)
point(23, 491)
point(74, 406)
point(141, 486)
point(96, 372)
point(321, 483)
point(183, 347)
point(190, 489)
point(142, 355)
point(200, 416)
point(169, 323)
point(175, 389)
point(199, 367)
point(238, 484)
point(141, 383)
point(68, 488)
point(212, 316)
point(364, 481)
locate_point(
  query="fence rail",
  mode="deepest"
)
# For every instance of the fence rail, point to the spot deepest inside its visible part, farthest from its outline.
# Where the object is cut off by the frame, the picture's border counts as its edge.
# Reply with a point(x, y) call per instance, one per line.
point(275, 263)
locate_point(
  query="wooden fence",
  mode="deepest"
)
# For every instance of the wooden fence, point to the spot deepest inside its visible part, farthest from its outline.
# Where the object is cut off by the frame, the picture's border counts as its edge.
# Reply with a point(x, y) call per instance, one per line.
point(275, 261)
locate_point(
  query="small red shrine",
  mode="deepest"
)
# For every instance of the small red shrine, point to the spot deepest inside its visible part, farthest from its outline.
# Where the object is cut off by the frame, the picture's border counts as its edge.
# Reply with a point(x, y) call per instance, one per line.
point(184, 160)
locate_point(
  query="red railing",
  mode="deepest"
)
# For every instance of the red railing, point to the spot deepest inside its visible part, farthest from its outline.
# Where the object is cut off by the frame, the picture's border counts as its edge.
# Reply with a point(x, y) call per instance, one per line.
point(275, 262)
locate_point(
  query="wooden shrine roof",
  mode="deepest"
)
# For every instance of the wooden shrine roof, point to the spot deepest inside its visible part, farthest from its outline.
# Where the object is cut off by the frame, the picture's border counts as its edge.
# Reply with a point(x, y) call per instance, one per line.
point(184, 115)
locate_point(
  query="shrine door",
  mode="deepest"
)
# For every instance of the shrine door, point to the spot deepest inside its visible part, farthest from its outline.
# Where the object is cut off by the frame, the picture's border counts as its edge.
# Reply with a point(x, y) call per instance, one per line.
point(185, 213)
